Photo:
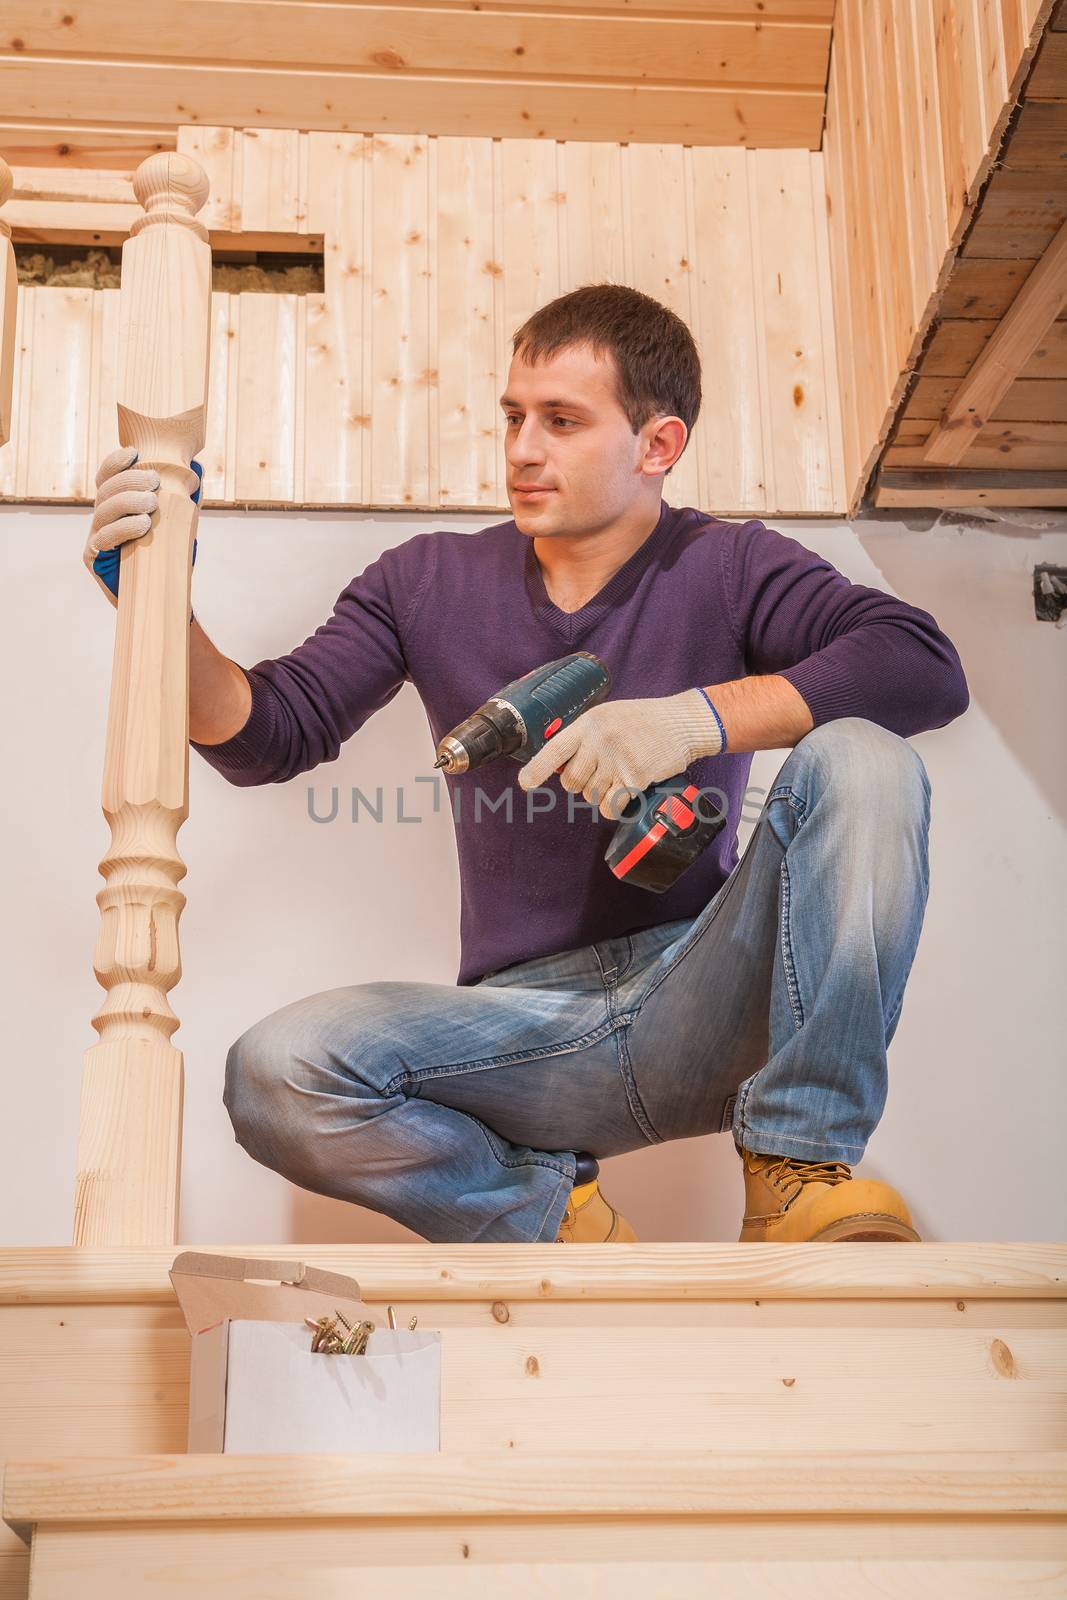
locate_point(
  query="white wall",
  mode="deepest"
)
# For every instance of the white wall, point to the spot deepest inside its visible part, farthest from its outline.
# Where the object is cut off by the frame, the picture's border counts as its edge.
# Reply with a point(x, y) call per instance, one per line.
point(280, 907)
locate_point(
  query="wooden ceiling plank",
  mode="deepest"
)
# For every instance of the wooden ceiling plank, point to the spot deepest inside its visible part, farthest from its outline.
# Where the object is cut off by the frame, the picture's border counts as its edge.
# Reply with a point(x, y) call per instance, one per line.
point(398, 39)
point(379, 102)
point(1035, 308)
point(900, 489)
point(60, 143)
point(956, 346)
point(1027, 400)
point(1039, 138)
point(1048, 81)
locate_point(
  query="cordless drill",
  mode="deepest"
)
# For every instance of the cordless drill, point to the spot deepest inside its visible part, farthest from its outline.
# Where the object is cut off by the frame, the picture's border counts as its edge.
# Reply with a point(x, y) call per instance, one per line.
point(660, 832)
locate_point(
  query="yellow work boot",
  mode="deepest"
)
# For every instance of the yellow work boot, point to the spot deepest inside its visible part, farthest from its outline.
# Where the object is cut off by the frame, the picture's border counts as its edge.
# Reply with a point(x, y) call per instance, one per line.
point(788, 1201)
point(589, 1219)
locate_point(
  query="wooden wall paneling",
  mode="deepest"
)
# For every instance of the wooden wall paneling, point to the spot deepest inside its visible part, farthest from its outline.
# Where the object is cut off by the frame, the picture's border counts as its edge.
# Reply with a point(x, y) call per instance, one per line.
point(526, 211)
point(221, 378)
point(874, 359)
point(889, 158)
point(103, 391)
point(798, 399)
point(397, 336)
point(825, 335)
point(8, 306)
point(56, 460)
point(9, 473)
point(592, 236)
point(910, 110)
point(992, 53)
point(273, 197)
point(927, 106)
point(974, 127)
point(433, 392)
point(853, 375)
point(468, 384)
point(950, 100)
point(724, 292)
point(216, 150)
point(656, 182)
point(1013, 34)
point(300, 425)
point(841, 281)
point(770, 482)
point(269, 352)
point(337, 410)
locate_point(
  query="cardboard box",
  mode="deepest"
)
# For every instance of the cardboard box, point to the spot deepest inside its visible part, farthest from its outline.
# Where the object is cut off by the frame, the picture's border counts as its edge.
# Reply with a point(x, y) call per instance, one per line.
point(256, 1386)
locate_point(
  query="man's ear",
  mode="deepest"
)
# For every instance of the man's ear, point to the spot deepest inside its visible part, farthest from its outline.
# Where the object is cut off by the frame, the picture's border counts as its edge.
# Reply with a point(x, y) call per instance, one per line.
point(666, 438)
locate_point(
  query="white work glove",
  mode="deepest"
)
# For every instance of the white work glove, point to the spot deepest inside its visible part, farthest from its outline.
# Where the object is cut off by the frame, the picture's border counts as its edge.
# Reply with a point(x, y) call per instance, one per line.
point(615, 750)
point(126, 501)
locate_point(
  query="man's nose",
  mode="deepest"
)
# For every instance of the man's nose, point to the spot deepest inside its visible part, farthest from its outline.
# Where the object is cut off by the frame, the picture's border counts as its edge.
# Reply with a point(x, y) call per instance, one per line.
point(525, 445)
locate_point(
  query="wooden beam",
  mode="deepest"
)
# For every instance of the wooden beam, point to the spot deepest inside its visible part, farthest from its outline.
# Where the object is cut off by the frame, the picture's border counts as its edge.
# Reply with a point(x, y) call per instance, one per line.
point(8, 296)
point(485, 44)
point(172, 1489)
point(1037, 305)
point(963, 487)
point(129, 1146)
point(394, 101)
point(60, 1275)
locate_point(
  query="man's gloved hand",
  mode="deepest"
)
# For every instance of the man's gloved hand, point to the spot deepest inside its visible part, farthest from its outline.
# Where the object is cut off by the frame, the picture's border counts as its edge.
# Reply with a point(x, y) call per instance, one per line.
point(125, 504)
point(624, 745)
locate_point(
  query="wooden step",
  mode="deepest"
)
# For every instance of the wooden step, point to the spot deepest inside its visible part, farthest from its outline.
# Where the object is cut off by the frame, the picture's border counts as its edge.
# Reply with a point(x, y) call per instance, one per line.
point(674, 1523)
point(628, 1350)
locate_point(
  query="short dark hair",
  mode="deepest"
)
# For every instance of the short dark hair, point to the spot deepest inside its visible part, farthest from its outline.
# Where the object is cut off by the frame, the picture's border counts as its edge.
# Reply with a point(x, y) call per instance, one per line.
point(656, 357)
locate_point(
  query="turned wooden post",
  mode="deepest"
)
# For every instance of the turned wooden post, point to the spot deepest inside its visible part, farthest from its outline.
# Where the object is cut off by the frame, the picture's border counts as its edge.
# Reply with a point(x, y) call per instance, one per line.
point(8, 292)
point(129, 1148)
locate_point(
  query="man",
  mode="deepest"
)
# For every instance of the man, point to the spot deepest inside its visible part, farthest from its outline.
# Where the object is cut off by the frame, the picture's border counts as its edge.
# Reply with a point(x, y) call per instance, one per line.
point(590, 1017)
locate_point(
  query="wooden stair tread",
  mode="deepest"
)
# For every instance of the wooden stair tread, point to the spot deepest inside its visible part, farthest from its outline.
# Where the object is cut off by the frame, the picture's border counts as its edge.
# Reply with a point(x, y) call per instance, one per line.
point(187, 1488)
point(83, 1274)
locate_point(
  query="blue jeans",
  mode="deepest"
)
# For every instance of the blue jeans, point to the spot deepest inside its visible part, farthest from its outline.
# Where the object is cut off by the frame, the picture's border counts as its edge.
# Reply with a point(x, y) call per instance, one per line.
point(457, 1111)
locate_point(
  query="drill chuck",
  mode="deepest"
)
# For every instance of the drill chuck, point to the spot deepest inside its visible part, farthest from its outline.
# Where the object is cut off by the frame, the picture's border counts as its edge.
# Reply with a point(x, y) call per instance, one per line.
point(495, 729)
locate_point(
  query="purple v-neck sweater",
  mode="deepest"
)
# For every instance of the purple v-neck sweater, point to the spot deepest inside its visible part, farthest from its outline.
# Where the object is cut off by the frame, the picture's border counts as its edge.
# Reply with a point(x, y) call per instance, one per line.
point(461, 614)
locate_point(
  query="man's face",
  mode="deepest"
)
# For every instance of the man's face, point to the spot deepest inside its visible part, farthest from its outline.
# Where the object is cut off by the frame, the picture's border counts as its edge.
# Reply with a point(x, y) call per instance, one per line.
point(566, 433)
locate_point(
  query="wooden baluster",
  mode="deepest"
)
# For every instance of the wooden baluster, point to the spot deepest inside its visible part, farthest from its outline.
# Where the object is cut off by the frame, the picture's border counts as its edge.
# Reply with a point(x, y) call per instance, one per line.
point(129, 1149)
point(8, 292)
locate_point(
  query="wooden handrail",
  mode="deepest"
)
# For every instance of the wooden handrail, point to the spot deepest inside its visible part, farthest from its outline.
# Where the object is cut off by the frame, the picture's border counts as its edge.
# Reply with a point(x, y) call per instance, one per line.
point(129, 1148)
point(8, 295)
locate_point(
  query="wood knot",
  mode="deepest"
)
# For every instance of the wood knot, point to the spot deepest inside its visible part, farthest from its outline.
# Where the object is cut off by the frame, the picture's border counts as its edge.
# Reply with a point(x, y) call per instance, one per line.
point(798, 394)
point(501, 1312)
point(1003, 1360)
point(533, 1366)
point(789, 1382)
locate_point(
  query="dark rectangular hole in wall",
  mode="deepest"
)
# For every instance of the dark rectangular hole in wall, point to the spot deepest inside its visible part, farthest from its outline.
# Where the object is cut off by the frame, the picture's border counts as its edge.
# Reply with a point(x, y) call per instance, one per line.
point(233, 271)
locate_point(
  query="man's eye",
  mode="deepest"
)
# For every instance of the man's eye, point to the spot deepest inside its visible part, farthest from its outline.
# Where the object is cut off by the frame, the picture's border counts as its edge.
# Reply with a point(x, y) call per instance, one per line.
point(568, 422)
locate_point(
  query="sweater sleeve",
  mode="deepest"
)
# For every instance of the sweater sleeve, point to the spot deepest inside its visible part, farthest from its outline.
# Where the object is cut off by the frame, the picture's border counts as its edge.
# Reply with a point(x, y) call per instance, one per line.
point(849, 650)
point(306, 704)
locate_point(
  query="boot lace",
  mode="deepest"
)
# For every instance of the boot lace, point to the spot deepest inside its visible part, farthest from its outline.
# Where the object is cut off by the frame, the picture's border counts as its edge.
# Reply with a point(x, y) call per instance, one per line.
point(786, 1167)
